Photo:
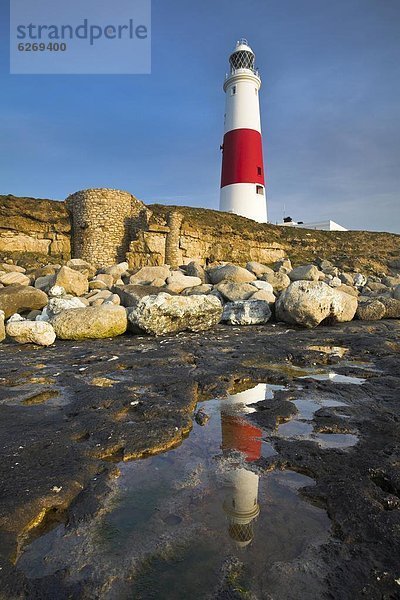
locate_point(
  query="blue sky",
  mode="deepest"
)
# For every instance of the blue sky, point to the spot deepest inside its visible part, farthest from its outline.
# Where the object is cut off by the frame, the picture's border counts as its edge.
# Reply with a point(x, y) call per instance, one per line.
point(329, 107)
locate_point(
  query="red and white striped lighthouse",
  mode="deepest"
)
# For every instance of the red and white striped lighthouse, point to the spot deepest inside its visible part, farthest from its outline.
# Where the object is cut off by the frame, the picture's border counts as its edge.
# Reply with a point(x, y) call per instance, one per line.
point(242, 179)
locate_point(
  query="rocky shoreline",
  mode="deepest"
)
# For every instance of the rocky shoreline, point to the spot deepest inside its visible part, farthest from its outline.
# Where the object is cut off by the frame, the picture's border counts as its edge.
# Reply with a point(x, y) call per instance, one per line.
point(68, 420)
point(77, 301)
point(104, 392)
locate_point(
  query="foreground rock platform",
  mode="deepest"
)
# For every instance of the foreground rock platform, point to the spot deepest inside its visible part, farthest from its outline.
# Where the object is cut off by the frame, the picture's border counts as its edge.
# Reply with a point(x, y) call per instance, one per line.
point(70, 412)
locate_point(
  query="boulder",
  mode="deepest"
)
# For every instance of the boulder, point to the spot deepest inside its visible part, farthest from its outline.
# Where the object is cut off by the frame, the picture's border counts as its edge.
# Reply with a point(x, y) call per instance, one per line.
point(31, 332)
point(97, 302)
point(73, 282)
point(230, 273)
point(396, 292)
point(113, 299)
point(58, 305)
point(14, 278)
point(304, 273)
point(377, 287)
point(370, 310)
point(21, 298)
point(46, 270)
point(324, 264)
point(204, 288)
point(388, 281)
point(349, 289)
point(158, 282)
point(257, 268)
point(12, 268)
point(392, 307)
point(218, 295)
point(147, 274)
point(172, 288)
point(359, 280)
point(164, 314)
point(103, 294)
point(2, 326)
point(131, 294)
point(308, 303)
point(91, 322)
point(283, 265)
point(56, 291)
point(45, 283)
point(31, 316)
point(232, 291)
point(264, 295)
point(98, 285)
point(105, 278)
point(327, 267)
point(246, 312)
point(180, 282)
point(194, 269)
point(279, 281)
point(346, 278)
point(263, 285)
point(78, 264)
point(335, 282)
point(118, 269)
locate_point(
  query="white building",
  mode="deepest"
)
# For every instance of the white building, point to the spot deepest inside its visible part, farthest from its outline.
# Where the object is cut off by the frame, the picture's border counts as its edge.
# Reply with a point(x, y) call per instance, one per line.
point(320, 225)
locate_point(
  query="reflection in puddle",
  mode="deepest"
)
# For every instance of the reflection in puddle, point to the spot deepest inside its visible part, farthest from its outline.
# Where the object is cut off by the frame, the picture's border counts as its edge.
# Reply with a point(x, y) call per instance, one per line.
point(178, 517)
point(331, 350)
point(301, 427)
point(242, 401)
point(337, 440)
point(335, 378)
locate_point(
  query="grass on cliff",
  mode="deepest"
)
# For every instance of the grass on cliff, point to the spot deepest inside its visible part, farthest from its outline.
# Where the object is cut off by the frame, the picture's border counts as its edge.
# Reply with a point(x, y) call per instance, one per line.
point(368, 251)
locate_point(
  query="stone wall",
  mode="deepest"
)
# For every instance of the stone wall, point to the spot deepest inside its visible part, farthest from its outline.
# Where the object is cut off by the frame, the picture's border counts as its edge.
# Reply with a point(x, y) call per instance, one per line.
point(36, 226)
point(110, 225)
point(174, 236)
point(103, 224)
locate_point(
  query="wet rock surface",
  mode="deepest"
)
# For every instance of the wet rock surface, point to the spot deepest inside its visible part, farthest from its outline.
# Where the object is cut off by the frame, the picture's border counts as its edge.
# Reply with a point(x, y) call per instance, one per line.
point(69, 414)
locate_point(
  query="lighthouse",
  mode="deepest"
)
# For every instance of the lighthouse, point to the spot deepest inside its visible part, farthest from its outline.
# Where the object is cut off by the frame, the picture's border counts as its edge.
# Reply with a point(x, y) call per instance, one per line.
point(242, 178)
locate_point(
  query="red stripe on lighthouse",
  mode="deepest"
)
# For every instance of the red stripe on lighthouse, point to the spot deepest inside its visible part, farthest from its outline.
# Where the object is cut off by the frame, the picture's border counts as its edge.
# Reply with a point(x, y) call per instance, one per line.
point(242, 160)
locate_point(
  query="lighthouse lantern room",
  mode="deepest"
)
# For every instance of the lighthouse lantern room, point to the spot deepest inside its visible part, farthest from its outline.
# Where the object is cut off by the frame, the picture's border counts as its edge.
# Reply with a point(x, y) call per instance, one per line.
point(242, 179)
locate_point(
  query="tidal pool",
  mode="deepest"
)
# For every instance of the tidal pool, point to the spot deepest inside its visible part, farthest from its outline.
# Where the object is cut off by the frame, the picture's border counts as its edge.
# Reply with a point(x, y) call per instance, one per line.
point(301, 426)
point(181, 524)
point(335, 378)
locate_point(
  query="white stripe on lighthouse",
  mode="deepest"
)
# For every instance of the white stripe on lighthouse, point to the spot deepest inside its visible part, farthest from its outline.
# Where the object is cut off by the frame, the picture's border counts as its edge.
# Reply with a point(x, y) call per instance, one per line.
point(242, 107)
point(254, 207)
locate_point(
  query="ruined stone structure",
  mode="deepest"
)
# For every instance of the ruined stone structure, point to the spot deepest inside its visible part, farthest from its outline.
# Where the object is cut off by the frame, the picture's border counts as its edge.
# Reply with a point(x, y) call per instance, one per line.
point(103, 223)
point(173, 252)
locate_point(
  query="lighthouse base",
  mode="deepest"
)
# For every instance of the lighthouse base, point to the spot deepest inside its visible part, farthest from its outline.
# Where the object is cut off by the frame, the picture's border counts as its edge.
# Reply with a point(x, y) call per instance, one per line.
point(242, 199)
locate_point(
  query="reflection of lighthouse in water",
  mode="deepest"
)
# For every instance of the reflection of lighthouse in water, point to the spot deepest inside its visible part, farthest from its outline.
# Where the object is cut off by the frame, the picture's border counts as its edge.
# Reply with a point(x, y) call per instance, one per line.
point(241, 499)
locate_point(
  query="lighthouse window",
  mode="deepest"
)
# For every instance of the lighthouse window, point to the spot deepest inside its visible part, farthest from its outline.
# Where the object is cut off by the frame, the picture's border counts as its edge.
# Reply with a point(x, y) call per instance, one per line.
point(259, 171)
point(260, 190)
point(233, 90)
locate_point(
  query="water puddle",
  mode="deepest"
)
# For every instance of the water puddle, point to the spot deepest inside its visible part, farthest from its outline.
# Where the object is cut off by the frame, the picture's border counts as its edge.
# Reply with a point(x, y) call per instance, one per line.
point(319, 373)
point(176, 520)
point(333, 351)
point(301, 426)
point(335, 378)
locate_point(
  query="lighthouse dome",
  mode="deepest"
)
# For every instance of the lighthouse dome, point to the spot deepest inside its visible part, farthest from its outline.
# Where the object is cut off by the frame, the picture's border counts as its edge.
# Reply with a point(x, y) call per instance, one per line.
point(242, 57)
